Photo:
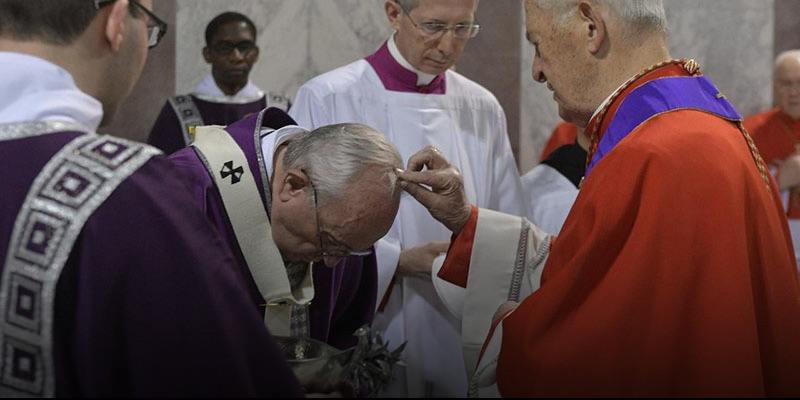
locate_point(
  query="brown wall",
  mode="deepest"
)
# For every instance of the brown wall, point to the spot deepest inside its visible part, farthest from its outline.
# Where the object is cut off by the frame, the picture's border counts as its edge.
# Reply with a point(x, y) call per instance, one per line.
point(787, 25)
point(493, 58)
point(157, 83)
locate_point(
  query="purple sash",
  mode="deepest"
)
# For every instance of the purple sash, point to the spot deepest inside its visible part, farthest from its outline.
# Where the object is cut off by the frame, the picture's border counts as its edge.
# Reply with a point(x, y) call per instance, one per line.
point(658, 97)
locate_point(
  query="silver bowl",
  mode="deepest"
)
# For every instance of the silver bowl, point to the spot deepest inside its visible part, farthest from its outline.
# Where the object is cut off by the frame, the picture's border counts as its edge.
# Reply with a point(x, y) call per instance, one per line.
point(315, 361)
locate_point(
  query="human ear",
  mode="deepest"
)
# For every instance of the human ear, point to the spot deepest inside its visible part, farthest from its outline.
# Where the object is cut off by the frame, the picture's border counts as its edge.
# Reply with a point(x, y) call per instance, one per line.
point(294, 183)
point(207, 54)
point(593, 26)
point(393, 12)
point(115, 24)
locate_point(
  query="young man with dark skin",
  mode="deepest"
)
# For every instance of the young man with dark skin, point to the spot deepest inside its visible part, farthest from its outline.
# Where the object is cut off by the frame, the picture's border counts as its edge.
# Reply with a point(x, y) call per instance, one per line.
point(225, 95)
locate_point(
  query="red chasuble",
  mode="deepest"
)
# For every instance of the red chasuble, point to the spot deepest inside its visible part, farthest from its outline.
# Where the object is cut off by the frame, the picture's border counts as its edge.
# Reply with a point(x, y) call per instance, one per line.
point(673, 275)
point(777, 136)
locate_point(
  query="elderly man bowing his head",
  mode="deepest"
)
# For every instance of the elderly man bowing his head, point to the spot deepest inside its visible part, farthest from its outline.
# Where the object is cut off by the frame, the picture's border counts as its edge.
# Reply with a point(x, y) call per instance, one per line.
point(288, 197)
point(674, 273)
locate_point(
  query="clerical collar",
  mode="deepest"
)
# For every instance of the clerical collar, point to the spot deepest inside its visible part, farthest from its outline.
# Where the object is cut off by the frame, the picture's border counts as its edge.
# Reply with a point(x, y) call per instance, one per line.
point(208, 90)
point(423, 79)
point(34, 89)
point(399, 78)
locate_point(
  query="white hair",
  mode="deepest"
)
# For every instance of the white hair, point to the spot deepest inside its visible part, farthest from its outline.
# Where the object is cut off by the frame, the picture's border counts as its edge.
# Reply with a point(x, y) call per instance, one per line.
point(638, 15)
point(334, 156)
point(794, 53)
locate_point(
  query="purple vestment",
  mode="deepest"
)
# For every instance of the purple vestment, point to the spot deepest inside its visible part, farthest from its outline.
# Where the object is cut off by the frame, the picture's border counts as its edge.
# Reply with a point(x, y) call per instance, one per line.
point(345, 295)
point(167, 132)
point(146, 303)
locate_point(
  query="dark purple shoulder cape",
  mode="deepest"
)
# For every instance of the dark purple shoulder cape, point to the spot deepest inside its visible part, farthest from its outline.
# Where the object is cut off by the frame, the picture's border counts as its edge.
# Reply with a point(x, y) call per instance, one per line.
point(147, 302)
point(167, 133)
point(345, 295)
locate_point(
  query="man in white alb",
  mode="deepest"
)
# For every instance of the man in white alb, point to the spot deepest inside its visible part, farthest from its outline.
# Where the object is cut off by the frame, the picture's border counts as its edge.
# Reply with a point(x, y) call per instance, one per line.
point(407, 91)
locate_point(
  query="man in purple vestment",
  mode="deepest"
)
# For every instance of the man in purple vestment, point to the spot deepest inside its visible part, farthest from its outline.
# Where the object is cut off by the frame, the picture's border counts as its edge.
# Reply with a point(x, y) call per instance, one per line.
point(225, 95)
point(113, 283)
point(347, 172)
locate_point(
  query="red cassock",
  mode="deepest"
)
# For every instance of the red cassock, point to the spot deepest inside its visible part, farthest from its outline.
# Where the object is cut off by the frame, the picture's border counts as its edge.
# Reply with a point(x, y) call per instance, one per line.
point(777, 136)
point(674, 274)
point(564, 134)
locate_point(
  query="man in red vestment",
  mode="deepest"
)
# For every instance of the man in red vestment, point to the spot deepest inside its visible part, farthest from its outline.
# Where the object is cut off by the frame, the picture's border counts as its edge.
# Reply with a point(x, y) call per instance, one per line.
point(673, 274)
point(777, 135)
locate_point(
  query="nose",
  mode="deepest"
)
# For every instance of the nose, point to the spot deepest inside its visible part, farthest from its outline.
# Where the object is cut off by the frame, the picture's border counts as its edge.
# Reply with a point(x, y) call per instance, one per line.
point(237, 55)
point(447, 42)
point(331, 262)
point(538, 73)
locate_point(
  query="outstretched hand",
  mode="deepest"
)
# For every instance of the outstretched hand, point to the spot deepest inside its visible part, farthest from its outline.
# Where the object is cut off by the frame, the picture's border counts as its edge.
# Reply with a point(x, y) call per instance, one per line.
point(445, 200)
point(418, 261)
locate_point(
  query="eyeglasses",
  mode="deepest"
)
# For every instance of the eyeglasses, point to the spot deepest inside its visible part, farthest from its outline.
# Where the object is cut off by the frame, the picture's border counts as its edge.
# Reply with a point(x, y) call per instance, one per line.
point(225, 48)
point(156, 27)
point(436, 30)
point(337, 253)
point(787, 85)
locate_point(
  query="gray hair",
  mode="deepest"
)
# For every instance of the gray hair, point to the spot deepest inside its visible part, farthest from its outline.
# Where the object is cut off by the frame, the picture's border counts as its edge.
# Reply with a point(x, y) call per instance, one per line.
point(334, 156)
point(409, 5)
point(638, 15)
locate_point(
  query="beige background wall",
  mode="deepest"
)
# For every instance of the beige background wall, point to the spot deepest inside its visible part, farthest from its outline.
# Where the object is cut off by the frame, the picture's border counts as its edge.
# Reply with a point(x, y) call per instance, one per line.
point(733, 40)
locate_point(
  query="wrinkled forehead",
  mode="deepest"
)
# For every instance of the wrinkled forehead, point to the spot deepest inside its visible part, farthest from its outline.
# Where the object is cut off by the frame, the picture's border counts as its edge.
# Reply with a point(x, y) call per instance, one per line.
point(446, 10)
point(537, 20)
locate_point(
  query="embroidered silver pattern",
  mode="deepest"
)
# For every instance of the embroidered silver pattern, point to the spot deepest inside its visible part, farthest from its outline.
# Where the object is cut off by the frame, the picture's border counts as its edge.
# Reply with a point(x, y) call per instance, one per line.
point(473, 383)
point(64, 194)
point(519, 264)
point(537, 261)
point(299, 323)
point(188, 115)
point(261, 165)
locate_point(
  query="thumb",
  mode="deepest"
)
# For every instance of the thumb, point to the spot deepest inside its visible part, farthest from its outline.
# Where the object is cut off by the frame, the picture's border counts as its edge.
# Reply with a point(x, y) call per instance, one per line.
point(439, 247)
point(424, 196)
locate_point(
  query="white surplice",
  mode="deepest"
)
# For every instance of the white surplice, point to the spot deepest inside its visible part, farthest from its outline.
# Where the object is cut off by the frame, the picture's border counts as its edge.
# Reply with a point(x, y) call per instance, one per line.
point(550, 195)
point(469, 127)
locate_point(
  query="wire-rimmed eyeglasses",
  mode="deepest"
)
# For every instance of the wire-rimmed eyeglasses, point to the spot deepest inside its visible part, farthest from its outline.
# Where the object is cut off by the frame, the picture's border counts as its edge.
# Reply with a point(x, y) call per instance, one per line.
point(336, 253)
point(436, 30)
point(156, 27)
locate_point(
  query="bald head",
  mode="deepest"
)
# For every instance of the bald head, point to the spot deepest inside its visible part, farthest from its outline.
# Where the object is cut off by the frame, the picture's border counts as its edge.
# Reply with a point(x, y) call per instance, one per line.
point(787, 83)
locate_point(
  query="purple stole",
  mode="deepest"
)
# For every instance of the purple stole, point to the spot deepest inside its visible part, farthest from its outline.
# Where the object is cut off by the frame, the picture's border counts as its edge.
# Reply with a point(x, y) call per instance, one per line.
point(661, 96)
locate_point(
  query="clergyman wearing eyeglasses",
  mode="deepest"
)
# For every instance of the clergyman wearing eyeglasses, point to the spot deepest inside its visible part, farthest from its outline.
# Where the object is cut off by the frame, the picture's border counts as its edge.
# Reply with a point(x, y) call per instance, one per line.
point(408, 91)
point(776, 133)
point(226, 94)
point(283, 198)
point(112, 282)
